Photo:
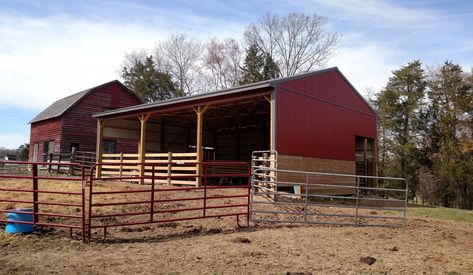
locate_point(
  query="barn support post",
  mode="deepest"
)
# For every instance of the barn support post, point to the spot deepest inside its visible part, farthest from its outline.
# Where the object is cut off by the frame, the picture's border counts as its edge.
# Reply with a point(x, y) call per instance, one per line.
point(142, 146)
point(200, 110)
point(100, 124)
point(272, 121)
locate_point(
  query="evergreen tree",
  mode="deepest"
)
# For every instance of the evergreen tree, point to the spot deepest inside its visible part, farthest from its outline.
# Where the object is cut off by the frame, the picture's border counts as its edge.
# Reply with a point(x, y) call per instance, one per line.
point(270, 69)
point(258, 66)
point(148, 82)
point(400, 104)
point(452, 159)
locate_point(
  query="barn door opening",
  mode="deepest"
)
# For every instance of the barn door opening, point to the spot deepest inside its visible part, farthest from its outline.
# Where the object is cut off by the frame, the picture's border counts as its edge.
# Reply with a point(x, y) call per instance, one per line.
point(364, 161)
point(48, 148)
point(35, 152)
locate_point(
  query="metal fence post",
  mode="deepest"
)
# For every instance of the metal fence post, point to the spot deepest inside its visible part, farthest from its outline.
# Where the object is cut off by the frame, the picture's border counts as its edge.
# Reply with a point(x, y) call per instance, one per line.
point(205, 189)
point(35, 193)
point(151, 214)
point(357, 199)
point(405, 201)
point(306, 195)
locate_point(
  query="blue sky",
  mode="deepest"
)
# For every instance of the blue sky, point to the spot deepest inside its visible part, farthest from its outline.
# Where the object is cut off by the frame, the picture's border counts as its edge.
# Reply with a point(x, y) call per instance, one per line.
point(51, 49)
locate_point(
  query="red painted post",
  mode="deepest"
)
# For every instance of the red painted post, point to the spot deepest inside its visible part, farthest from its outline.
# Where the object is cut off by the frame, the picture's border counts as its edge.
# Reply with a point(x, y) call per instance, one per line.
point(151, 214)
point(83, 200)
point(205, 190)
point(248, 194)
point(35, 193)
point(89, 225)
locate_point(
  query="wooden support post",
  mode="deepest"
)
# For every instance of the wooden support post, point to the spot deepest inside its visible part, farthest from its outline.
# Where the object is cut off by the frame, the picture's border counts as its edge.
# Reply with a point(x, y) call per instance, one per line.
point(169, 167)
point(200, 122)
point(120, 171)
point(72, 160)
point(58, 163)
point(100, 124)
point(272, 120)
point(50, 160)
point(142, 149)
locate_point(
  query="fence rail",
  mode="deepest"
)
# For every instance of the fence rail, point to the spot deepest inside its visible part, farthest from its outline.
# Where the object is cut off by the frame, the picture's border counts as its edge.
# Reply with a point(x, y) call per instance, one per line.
point(307, 199)
point(35, 195)
point(152, 204)
point(164, 164)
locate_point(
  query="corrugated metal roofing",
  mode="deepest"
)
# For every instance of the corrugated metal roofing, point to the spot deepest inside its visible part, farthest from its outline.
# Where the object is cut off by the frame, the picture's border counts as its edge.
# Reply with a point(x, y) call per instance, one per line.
point(62, 105)
point(234, 90)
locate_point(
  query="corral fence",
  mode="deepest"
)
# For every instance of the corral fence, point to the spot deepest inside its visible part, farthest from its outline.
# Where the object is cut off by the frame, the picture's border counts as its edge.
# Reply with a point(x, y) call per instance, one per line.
point(113, 203)
point(223, 189)
point(128, 165)
point(57, 162)
point(328, 198)
point(51, 201)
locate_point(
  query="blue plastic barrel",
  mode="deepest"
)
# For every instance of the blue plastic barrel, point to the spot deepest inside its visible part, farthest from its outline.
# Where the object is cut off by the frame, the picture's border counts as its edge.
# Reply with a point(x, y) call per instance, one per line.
point(13, 227)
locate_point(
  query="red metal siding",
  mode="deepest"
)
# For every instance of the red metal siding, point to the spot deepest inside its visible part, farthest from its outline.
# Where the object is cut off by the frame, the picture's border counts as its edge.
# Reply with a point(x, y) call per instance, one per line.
point(320, 116)
point(44, 131)
point(80, 127)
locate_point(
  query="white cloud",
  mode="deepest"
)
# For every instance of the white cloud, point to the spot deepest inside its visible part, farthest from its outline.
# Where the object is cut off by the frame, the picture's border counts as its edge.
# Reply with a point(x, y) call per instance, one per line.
point(367, 66)
point(383, 13)
point(45, 59)
point(13, 140)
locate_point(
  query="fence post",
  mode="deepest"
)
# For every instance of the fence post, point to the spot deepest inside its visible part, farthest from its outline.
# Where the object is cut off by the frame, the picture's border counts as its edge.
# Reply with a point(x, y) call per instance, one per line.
point(151, 214)
point(50, 155)
point(205, 195)
point(406, 197)
point(120, 171)
point(35, 193)
point(169, 167)
point(72, 160)
point(306, 195)
point(357, 198)
point(58, 162)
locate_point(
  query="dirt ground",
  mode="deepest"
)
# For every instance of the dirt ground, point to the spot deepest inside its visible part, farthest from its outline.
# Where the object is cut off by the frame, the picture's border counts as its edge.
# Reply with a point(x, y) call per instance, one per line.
point(218, 246)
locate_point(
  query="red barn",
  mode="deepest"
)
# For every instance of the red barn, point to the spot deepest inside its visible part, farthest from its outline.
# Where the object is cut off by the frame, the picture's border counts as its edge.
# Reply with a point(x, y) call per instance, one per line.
point(316, 121)
point(68, 122)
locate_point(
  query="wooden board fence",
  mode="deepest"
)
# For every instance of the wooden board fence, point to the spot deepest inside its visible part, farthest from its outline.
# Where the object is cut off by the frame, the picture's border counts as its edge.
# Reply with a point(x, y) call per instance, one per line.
point(124, 165)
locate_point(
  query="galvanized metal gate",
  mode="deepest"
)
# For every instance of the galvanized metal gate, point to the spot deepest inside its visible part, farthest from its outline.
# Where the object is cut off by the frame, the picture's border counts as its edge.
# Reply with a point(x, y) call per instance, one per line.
point(327, 198)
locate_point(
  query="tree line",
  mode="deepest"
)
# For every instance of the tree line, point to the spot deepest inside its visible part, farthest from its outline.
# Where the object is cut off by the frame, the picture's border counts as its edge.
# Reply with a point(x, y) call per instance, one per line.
point(425, 132)
point(271, 47)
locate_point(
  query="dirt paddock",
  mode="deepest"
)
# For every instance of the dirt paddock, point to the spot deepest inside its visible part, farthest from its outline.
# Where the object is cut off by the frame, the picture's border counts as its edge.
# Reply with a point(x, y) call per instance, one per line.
point(218, 246)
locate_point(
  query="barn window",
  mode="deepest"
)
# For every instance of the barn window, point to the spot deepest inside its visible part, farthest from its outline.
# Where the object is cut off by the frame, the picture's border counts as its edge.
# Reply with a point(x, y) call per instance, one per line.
point(109, 146)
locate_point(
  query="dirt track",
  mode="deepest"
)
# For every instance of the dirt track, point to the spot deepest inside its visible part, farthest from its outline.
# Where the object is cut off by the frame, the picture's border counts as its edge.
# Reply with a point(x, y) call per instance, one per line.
point(213, 247)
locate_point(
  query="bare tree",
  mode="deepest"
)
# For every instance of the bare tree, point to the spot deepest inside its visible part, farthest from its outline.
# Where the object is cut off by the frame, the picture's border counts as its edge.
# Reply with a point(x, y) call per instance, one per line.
point(222, 63)
point(180, 54)
point(297, 42)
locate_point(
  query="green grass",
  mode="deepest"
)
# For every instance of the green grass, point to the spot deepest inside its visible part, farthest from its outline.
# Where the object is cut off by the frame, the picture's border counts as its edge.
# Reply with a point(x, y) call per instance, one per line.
point(442, 213)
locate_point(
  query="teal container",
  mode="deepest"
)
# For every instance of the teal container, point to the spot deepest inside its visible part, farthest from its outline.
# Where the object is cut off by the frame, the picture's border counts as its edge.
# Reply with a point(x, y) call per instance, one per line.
point(13, 228)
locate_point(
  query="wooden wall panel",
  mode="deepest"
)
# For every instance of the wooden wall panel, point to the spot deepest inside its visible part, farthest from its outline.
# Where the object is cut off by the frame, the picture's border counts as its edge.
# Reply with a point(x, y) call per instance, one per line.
point(44, 131)
point(80, 127)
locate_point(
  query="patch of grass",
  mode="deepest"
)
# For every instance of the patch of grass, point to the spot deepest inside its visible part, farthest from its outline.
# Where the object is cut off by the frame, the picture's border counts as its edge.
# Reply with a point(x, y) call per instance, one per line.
point(443, 213)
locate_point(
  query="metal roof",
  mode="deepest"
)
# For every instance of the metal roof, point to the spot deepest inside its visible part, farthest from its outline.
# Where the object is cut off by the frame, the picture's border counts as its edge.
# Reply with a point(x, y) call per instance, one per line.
point(234, 90)
point(62, 105)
